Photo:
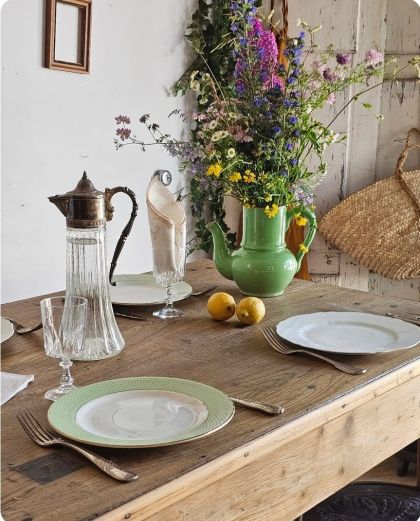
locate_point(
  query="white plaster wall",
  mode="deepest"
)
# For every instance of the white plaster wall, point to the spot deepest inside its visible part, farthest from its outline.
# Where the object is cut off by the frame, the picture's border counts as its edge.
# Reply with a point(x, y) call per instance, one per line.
point(57, 124)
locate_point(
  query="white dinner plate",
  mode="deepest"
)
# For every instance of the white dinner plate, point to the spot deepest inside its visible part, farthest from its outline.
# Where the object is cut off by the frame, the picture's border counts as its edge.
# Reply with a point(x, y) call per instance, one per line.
point(141, 412)
point(350, 333)
point(6, 329)
point(142, 290)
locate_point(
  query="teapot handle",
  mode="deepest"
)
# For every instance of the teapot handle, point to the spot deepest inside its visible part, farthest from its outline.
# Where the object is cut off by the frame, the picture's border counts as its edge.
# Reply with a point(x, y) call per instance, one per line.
point(109, 212)
point(305, 212)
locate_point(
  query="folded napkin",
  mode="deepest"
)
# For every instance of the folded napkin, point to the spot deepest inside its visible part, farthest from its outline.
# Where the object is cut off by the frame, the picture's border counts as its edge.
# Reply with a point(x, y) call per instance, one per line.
point(167, 222)
point(12, 383)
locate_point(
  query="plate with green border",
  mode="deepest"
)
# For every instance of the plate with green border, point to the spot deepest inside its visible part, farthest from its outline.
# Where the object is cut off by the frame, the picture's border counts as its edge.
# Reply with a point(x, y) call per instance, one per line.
point(137, 412)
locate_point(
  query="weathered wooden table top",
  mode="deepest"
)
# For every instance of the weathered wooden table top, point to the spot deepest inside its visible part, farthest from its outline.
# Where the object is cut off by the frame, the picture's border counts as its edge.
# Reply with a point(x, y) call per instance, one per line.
point(226, 355)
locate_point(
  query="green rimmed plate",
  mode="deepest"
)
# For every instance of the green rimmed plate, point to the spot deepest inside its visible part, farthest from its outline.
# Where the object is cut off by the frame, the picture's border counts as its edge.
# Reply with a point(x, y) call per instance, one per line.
point(141, 412)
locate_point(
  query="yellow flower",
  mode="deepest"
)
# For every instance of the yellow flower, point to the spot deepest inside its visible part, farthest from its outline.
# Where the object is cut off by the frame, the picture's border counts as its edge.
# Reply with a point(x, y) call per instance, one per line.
point(214, 169)
point(301, 221)
point(268, 198)
point(249, 177)
point(303, 248)
point(272, 211)
point(235, 177)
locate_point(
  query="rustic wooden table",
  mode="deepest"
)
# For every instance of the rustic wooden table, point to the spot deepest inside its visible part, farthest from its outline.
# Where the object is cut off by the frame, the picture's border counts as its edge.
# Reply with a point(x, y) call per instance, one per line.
point(335, 427)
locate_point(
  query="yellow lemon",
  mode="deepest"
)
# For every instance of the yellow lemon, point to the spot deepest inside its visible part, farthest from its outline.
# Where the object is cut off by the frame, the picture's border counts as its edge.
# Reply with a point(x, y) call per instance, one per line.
point(221, 306)
point(250, 310)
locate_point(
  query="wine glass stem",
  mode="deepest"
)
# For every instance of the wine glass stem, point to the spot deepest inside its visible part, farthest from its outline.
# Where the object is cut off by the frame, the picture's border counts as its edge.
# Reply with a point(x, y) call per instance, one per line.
point(169, 296)
point(66, 378)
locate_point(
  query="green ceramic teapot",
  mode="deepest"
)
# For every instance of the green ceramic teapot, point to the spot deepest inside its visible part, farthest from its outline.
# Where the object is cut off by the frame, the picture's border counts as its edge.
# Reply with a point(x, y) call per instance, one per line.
point(262, 266)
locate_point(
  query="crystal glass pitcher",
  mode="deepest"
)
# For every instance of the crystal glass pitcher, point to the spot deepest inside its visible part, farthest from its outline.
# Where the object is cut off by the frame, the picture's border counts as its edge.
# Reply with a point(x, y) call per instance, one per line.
point(87, 210)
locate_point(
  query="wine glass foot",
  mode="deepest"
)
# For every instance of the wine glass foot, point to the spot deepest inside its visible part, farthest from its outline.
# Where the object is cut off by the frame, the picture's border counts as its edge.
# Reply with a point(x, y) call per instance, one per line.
point(169, 312)
point(58, 392)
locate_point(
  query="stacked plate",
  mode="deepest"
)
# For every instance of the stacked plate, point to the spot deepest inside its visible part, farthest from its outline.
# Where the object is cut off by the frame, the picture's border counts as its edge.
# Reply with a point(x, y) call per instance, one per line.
point(349, 333)
point(6, 329)
point(142, 290)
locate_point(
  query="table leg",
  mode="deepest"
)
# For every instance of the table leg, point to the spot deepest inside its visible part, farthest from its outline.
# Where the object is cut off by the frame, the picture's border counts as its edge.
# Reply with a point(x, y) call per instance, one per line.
point(418, 464)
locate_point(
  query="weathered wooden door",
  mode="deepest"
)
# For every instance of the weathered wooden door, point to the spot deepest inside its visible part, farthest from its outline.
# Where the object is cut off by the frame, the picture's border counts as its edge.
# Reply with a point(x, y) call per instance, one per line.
point(373, 146)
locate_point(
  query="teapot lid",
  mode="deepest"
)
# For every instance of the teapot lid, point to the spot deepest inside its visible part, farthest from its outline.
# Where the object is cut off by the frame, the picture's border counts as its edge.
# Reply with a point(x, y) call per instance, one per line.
point(85, 188)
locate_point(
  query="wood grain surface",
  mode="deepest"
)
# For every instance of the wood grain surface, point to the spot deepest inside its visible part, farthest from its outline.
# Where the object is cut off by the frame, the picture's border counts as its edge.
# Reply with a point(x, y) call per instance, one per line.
point(236, 360)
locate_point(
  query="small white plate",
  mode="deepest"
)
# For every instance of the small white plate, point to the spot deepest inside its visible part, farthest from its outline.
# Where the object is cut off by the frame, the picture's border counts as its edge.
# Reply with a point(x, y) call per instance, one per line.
point(6, 329)
point(349, 333)
point(142, 290)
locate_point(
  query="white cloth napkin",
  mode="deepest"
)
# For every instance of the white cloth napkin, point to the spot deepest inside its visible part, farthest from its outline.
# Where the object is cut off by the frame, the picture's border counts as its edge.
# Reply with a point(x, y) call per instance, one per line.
point(12, 384)
point(167, 222)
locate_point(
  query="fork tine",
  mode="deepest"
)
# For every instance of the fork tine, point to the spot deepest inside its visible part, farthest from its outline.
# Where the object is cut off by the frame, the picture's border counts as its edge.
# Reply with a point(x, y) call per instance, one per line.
point(271, 337)
point(35, 428)
point(41, 428)
point(26, 428)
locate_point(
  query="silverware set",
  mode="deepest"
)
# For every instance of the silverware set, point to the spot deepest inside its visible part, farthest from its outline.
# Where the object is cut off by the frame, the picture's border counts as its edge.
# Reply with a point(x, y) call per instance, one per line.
point(287, 348)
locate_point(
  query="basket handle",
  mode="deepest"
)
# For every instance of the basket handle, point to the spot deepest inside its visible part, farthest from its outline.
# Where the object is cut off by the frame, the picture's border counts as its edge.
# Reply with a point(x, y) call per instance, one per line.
point(399, 170)
point(407, 148)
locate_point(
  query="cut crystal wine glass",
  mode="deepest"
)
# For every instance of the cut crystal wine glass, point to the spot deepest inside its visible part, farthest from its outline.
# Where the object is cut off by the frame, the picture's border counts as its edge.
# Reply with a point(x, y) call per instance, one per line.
point(168, 269)
point(63, 320)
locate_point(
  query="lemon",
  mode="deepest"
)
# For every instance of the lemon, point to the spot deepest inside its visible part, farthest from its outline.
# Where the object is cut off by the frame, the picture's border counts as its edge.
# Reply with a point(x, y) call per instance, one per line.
point(221, 306)
point(250, 310)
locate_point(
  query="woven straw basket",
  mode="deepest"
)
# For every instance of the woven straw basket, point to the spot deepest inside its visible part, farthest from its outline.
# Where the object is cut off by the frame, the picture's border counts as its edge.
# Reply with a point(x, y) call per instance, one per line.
point(379, 226)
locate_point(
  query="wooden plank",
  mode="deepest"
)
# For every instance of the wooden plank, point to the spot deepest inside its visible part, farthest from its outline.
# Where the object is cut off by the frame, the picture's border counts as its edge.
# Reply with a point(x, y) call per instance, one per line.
point(230, 357)
point(282, 475)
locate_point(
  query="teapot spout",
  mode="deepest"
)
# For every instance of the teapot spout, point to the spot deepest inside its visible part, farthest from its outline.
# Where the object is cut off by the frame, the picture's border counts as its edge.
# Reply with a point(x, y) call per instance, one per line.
point(221, 255)
point(61, 202)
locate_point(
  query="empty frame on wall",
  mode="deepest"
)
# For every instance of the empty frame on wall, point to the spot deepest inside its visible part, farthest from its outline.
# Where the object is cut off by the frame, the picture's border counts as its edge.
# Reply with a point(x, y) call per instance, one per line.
point(67, 35)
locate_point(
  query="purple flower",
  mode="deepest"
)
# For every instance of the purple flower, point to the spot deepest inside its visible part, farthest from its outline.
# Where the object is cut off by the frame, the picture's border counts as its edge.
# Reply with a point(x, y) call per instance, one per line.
point(374, 57)
point(343, 59)
point(296, 133)
point(122, 119)
point(243, 41)
point(234, 28)
point(258, 101)
point(240, 87)
point(329, 75)
point(283, 173)
point(293, 120)
point(302, 35)
point(293, 162)
point(123, 133)
point(289, 147)
point(290, 80)
point(276, 129)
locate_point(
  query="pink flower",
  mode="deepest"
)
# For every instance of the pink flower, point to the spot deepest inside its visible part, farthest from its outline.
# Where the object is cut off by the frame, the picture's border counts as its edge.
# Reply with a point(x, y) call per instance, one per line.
point(331, 98)
point(374, 57)
point(318, 65)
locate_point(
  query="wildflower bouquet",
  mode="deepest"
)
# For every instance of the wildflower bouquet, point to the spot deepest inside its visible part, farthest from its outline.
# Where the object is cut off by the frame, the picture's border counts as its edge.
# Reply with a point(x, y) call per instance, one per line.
point(256, 135)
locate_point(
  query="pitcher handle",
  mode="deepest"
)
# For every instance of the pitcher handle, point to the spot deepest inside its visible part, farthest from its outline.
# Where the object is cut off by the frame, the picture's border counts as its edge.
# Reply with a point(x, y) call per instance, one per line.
point(309, 214)
point(109, 212)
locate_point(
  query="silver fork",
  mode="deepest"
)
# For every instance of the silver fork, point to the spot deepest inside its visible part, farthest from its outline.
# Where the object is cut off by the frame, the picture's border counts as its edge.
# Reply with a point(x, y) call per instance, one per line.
point(21, 330)
point(272, 338)
point(45, 438)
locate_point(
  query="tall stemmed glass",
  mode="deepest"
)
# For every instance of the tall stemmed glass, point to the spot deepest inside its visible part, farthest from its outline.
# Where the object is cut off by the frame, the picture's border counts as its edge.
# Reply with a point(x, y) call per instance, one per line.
point(168, 277)
point(63, 320)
